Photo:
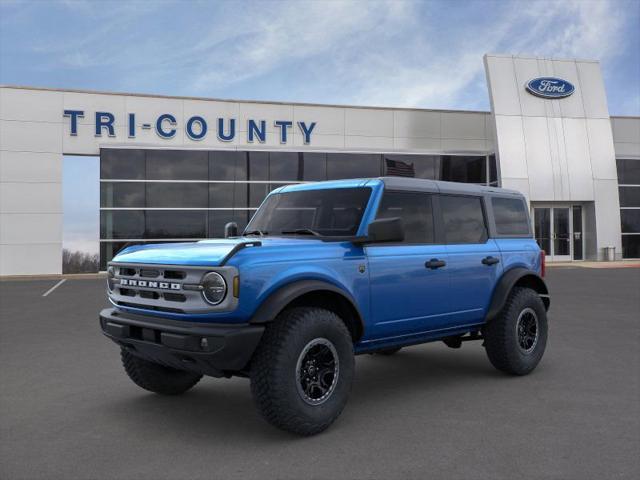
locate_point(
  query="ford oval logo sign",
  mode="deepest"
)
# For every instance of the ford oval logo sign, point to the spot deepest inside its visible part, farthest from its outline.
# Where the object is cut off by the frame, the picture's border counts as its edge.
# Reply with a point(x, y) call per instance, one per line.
point(550, 87)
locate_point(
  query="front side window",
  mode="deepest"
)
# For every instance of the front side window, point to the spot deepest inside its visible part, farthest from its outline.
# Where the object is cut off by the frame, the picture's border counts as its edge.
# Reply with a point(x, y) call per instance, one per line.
point(510, 215)
point(326, 212)
point(415, 211)
point(463, 219)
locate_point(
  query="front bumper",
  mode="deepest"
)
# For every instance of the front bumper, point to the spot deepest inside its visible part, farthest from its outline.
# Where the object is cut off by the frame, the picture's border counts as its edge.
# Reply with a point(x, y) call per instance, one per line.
point(209, 349)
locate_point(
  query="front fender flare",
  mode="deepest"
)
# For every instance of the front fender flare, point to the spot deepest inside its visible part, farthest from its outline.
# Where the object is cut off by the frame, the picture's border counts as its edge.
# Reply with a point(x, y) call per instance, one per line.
point(282, 297)
point(509, 280)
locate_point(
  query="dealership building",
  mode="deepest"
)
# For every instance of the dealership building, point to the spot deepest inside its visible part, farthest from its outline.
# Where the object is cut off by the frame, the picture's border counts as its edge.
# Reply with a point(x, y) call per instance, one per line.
point(178, 168)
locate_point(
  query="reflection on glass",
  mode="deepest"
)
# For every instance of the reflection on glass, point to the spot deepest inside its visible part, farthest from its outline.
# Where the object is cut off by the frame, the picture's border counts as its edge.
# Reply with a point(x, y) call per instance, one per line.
point(577, 232)
point(227, 165)
point(631, 246)
point(121, 224)
point(177, 195)
point(353, 165)
point(510, 216)
point(122, 195)
point(314, 166)
point(561, 239)
point(177, 165)
point(630, 221)
point(415, 211)
point(463, 219)
point(176, 224)
point(542, 222)
point(124, 164)
point(628, 171)
point(258, 166)
point(285, 166)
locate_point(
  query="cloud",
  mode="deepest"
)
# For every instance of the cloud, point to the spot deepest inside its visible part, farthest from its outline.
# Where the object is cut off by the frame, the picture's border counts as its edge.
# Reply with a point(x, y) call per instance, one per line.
point(393, 53)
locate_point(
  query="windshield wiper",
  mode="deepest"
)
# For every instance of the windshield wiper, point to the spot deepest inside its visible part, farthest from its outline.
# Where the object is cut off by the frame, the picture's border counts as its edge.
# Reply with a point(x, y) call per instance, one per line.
point(302, 231)
point(255, 232)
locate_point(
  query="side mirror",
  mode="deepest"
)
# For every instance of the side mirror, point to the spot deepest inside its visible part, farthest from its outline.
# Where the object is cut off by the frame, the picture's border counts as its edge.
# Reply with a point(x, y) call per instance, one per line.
point(385, 230)
point(231, 230)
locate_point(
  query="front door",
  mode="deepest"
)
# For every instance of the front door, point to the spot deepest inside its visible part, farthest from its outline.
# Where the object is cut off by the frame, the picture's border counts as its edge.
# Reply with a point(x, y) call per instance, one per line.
point(409, 280)
point(558, 231)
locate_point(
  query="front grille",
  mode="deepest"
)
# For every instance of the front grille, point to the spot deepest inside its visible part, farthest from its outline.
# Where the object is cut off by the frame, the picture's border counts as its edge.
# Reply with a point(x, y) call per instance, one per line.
point(164, 287)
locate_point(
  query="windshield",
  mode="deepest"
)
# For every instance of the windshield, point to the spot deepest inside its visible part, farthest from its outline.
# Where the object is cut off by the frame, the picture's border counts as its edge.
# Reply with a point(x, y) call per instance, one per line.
point(326, 212)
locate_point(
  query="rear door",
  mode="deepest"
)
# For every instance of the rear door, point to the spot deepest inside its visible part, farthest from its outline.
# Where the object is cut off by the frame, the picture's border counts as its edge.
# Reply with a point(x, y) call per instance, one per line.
point(408, 295)
point(474, 258)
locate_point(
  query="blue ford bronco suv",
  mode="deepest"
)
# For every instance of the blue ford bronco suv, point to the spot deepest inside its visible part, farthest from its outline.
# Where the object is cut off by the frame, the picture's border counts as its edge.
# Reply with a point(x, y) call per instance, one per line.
point(323, 272)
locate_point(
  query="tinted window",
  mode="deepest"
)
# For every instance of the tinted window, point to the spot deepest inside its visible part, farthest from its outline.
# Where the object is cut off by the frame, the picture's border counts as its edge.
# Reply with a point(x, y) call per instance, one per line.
point(177, 195)
point(116, 195)
point(177, 165)
point(257, 192)
point(493, 171)
point(464, 169)
point(510, 215)
point(227, 165)
point(314, 166)
point(121, 224)
point(629, 196)
point(284, 166)
point(122, 164)
point(415, 211)
point(631, 246)
point(258, 166)
point(463, 219)
point(628, 171)
point(352, 165)
point(176, 224)
point(221, 195)
point(330, 212)
point(630, 221)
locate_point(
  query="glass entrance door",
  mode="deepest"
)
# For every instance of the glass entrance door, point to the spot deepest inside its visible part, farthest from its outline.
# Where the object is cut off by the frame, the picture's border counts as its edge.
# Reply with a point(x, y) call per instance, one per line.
point(561, 234)
point(558, 231)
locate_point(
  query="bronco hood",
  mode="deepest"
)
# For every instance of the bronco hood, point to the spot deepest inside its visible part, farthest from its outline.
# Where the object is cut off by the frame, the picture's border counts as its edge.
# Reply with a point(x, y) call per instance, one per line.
point(203, 253)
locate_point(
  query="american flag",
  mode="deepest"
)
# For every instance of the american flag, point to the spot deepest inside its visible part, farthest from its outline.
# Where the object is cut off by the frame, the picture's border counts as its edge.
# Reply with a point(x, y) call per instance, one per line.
point(398, 168)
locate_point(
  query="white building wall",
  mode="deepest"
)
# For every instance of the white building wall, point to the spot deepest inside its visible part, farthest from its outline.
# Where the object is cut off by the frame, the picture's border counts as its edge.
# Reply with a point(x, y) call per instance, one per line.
point(557, 150)
point(34, 136)
point(626, 136)
point(30, 182)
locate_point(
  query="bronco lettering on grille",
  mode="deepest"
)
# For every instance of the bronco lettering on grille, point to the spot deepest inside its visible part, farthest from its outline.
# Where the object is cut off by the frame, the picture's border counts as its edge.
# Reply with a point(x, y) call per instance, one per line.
point(129, 282)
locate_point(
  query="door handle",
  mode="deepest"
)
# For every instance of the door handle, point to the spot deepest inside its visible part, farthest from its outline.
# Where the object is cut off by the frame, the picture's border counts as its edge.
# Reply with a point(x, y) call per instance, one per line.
point(435, 263)
point(490, 260)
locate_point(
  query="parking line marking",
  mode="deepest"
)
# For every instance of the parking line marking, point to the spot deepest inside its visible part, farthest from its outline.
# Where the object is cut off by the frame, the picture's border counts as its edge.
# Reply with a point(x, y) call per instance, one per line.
point(54, 287)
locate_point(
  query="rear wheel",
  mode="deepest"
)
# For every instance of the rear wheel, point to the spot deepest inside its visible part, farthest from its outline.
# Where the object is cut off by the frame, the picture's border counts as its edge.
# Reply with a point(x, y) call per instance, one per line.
point(302, 371)
point(516, 339)
point(157, 378)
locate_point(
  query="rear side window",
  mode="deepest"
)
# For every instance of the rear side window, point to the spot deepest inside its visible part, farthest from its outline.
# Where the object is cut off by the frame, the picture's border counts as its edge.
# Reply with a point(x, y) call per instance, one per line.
point(463, 219)
point(510, 215)
point(415, 211)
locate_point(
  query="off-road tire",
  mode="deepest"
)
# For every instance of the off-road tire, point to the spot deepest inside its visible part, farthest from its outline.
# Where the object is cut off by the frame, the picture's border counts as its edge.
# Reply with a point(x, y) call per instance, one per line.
point(157, 378)
point(388, 351)
point(275, 378)
point(501, 338)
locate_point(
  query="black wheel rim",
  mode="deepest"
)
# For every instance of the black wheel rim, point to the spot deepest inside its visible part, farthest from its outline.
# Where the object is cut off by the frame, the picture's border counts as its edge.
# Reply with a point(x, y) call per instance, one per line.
point(317, 371)
point(527, 330)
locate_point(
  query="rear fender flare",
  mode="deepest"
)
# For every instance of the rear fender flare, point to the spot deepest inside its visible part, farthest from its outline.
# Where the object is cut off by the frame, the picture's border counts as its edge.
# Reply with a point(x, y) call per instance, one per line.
point(510, 279)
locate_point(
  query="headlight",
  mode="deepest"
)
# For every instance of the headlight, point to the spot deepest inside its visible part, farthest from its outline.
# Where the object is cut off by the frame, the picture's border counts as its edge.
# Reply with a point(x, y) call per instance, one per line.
point(111, 273)
point(214, 288)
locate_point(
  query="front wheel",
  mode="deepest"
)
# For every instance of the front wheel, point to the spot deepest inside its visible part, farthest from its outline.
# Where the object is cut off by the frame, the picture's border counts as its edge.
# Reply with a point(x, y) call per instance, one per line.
point(157, 378)
point(516, 339)
point(302, 371)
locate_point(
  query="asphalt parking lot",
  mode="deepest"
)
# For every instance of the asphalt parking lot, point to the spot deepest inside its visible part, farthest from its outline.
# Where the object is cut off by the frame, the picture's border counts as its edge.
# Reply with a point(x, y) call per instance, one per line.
point(67, 410)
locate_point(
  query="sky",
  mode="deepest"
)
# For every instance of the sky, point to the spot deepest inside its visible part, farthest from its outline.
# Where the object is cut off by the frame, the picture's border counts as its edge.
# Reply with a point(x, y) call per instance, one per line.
point(380, 53)
point(389, 53)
